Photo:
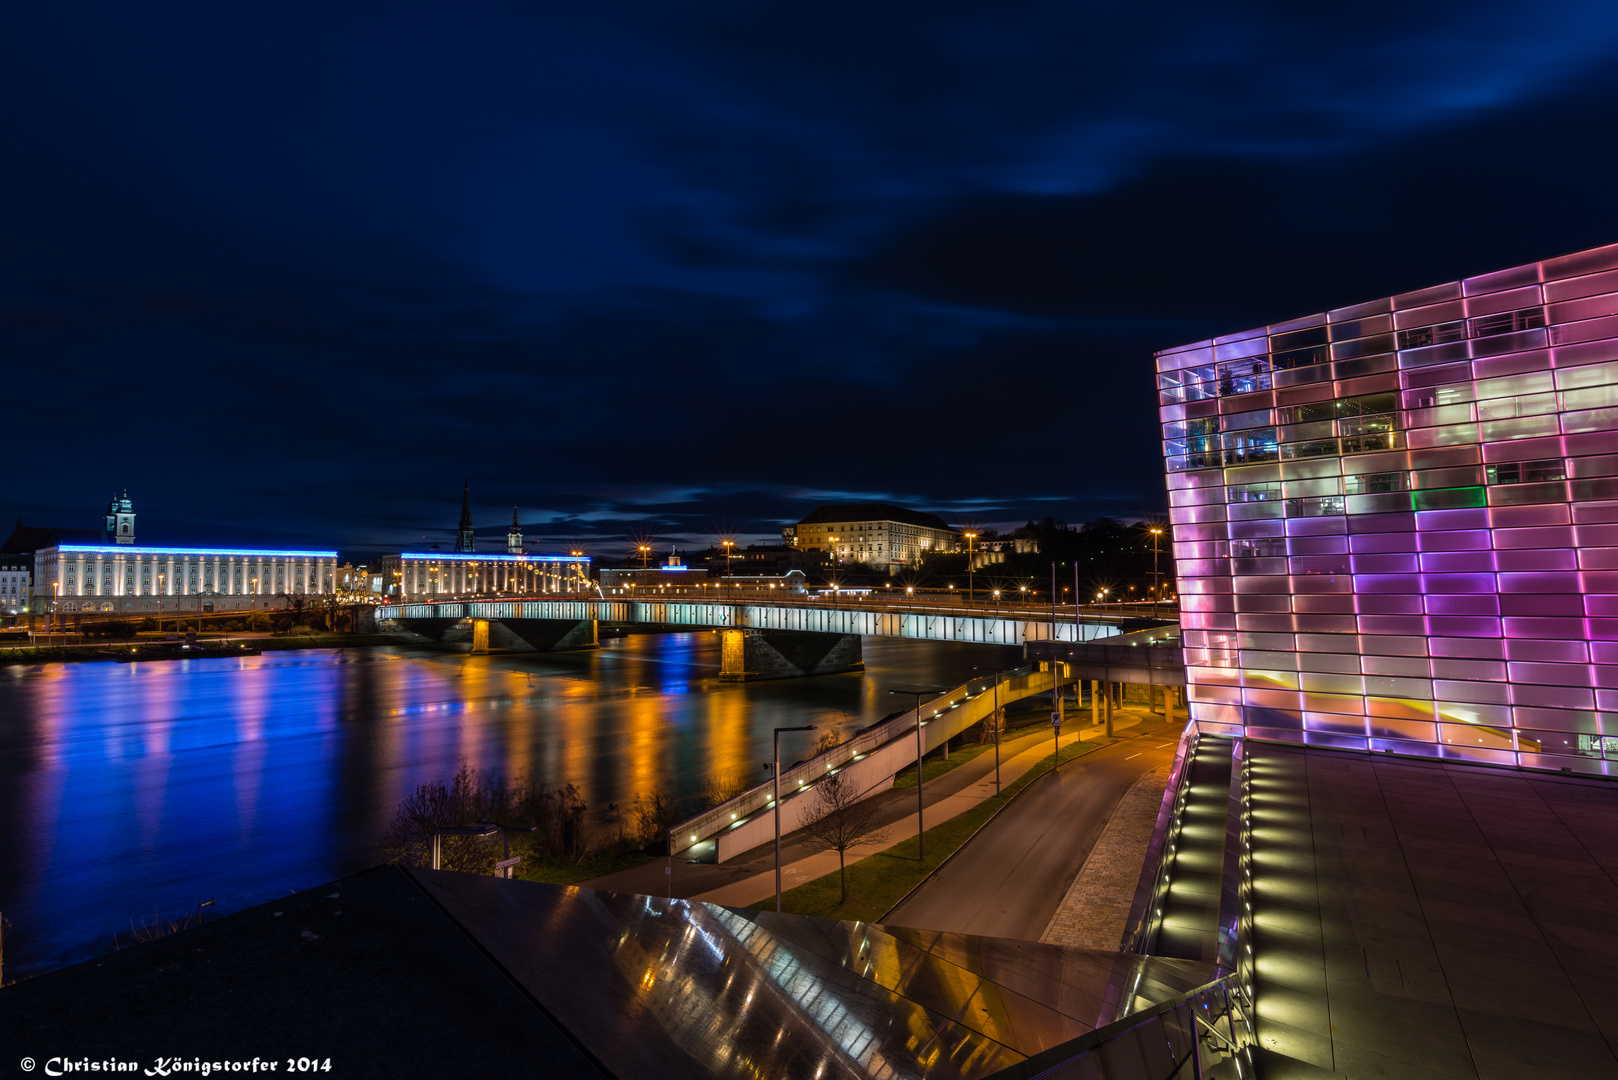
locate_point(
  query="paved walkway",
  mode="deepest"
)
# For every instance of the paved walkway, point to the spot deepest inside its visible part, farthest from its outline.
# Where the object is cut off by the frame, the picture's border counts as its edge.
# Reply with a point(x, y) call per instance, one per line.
point(750, 877)
point(1093, 913)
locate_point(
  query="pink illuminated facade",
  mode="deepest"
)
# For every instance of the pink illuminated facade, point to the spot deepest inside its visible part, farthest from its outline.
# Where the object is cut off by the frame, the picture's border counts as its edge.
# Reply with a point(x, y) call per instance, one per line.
point(1396, 524)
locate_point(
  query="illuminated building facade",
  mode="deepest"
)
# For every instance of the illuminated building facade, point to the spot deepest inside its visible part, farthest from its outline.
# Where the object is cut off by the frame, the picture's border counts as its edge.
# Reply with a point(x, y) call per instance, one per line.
point(420, 575)
point(85, 578)
point(877, 534)
point(1396, 524)
point(672, 577)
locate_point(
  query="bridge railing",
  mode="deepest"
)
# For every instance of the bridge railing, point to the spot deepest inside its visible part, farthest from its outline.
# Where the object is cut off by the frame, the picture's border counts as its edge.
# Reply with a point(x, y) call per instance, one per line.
point(1065, 614)
point(711, 822)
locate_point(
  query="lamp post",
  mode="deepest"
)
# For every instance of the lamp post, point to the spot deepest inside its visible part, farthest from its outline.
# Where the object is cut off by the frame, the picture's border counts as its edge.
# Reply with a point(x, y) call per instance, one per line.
point(777, 764)
point(971, 536)
point(996, 729)
point(917, 692)
point(1156, 532)
point(160, 580)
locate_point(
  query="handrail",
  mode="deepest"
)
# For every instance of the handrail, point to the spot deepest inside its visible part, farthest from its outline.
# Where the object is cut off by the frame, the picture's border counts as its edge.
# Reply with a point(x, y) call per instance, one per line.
point(1185, 1030)
point(710, 821)
point(1155, 867)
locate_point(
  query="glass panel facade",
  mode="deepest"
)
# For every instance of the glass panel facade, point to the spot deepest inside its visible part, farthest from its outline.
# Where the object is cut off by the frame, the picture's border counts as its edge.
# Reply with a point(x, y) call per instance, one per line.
point(1396, 524)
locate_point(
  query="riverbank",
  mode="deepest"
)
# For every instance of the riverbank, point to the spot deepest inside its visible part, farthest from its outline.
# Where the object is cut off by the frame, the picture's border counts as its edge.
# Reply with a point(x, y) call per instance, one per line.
point(125, 649)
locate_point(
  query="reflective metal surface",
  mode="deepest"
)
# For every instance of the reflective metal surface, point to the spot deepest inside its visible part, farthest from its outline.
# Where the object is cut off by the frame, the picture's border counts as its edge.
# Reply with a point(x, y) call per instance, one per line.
point(663, 988)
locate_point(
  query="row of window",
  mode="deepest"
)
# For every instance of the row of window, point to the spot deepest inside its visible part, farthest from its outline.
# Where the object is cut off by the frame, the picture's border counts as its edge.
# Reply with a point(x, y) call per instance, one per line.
point(1309, 347)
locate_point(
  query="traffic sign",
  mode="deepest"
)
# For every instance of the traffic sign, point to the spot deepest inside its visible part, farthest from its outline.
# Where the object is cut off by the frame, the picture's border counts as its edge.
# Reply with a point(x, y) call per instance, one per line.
point(1056, 719)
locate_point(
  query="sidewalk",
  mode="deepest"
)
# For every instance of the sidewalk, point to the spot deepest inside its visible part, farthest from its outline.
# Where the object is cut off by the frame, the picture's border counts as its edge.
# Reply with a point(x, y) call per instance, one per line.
point(750, 877)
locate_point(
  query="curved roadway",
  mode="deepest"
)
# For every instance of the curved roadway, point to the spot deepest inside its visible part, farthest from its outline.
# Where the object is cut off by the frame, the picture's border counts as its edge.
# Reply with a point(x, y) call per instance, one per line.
point(1009, 878)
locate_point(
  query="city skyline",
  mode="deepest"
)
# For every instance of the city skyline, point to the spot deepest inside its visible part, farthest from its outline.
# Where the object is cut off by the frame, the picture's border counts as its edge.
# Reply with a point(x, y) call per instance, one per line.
point(685, 277)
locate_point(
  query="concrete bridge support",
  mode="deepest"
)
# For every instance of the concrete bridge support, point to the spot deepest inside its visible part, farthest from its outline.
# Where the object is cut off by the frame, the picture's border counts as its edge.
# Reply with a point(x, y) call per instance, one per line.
point(751, 655)
point(494, 635)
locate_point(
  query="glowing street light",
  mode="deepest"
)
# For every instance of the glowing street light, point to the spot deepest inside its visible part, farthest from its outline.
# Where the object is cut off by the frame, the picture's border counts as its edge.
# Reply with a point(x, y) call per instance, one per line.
point(1156, 532)
point(971, 536)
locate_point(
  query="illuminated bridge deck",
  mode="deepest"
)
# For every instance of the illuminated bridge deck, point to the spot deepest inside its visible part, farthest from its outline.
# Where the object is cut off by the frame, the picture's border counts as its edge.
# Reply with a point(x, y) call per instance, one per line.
point(1010, 626)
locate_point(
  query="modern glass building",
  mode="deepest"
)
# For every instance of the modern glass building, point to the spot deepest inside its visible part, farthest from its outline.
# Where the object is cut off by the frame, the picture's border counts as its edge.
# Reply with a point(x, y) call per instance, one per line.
point(1396, 524)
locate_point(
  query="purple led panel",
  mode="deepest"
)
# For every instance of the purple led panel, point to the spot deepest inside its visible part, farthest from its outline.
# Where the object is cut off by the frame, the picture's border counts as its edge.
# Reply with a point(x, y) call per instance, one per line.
point(1396, 524)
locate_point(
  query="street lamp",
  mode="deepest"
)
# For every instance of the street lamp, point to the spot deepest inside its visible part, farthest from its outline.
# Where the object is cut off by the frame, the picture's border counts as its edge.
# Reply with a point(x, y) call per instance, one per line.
point(1156, 532)
point(917, 692)
point(996, 729)
point(971, 536)
point(645, 554)
point(777, 764)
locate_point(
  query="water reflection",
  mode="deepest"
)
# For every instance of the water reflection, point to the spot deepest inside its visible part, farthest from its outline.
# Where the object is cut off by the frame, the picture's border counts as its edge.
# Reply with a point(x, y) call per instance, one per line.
point(129, 788)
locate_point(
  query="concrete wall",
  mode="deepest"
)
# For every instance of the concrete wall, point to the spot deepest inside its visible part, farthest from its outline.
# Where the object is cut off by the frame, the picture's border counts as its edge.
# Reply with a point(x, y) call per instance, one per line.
point(749, 655)
point(525, 635)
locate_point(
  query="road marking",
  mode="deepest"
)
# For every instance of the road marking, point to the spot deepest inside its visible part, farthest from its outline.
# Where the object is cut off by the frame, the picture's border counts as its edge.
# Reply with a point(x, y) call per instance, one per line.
point(1134, 755)
point(1161, 747)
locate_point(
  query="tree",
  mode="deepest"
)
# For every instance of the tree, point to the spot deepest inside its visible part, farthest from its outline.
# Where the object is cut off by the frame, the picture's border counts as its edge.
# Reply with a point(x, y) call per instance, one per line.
point(839, 819)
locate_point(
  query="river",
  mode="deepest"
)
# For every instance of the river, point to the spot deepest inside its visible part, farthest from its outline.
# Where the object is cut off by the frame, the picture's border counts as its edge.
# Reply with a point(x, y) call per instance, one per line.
point(133, 789)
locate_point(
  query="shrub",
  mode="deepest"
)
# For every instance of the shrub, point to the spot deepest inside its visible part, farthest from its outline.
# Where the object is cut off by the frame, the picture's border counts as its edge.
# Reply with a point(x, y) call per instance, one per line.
point(557, 817)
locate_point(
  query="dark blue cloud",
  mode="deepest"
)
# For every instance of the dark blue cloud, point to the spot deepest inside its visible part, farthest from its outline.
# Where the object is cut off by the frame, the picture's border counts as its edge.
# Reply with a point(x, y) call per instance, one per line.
point(290, 272)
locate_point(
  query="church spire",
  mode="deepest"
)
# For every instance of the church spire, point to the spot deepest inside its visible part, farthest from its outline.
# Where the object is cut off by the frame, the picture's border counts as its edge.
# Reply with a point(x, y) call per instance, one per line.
point(464, 540)
point(514, 536)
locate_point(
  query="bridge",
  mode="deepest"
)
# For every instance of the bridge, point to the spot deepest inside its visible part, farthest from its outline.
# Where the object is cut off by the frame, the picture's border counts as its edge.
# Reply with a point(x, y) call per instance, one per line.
point(761, 638)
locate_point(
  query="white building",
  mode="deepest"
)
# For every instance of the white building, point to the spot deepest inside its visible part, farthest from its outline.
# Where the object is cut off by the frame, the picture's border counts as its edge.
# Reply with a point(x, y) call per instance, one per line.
point(16, 574)
point(441, 575)
point(82, 578)
point(878, 534)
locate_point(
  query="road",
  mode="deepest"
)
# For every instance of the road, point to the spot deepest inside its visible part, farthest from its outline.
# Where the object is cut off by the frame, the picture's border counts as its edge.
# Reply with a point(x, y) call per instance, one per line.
point(1008, 881)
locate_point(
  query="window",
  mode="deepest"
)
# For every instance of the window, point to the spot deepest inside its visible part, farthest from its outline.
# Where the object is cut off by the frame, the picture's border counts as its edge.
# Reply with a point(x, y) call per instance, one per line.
point(1526, 472)
point(1252, 493)
point(1507, 322)
point(1418, 336)
point(1322, 506)
point(1264, 547)
point(1376, 483)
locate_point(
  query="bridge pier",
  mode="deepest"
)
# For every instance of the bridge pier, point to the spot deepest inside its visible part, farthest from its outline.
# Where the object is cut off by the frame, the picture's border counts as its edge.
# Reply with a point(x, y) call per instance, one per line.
point(751, 655)
point(496, 635)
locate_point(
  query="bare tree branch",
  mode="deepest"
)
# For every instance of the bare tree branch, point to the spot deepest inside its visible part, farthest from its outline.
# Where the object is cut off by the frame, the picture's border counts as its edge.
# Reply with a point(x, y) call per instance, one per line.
point(839, 819)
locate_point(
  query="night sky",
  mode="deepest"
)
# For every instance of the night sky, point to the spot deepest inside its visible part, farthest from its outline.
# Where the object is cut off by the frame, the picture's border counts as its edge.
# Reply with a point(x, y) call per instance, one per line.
point(289, 272)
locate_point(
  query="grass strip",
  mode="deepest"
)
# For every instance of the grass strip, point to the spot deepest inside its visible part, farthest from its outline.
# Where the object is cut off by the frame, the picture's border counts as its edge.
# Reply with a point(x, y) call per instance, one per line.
point(933, 766)
point(564, 871)
point(877, 882)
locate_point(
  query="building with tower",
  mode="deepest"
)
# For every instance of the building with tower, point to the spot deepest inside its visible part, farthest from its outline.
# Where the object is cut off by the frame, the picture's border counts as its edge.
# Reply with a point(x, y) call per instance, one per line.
point(120, 527)
point(465, 541)
point(435, 575)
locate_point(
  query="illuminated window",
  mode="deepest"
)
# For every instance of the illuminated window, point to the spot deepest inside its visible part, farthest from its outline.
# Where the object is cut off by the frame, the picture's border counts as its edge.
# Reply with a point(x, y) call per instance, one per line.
point(1526, 472)
point(1508, 322)
point(1420, 336)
